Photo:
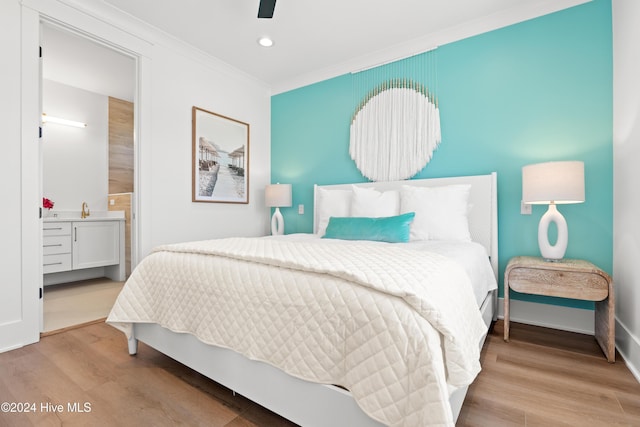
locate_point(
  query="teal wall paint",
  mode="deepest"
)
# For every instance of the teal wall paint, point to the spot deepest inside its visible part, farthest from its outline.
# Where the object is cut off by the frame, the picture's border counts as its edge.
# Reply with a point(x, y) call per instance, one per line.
point(532, 92)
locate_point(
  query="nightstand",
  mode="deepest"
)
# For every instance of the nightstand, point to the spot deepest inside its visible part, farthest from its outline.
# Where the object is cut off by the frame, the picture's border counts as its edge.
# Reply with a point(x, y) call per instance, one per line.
point(567, 278)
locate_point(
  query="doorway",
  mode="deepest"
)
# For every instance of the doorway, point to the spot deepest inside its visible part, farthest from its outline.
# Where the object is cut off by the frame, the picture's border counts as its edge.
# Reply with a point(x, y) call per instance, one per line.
point(93, 165)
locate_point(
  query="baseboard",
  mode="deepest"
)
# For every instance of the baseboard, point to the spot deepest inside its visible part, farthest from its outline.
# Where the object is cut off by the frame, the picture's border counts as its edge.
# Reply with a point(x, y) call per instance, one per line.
point(573, 320)
point(549, 316)
point(629, 348)
point(73, 276)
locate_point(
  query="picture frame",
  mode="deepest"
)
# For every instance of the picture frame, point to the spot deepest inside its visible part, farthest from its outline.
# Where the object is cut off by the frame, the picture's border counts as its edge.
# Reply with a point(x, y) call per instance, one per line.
point(220, 160)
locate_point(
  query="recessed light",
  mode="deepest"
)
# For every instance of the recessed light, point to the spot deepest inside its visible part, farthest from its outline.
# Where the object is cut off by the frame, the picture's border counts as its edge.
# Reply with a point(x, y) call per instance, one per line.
point(265, 42)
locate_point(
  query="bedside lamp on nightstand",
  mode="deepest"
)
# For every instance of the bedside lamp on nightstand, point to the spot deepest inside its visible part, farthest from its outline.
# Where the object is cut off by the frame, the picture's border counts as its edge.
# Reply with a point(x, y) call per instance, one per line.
point(277, 196)
point(553, 183)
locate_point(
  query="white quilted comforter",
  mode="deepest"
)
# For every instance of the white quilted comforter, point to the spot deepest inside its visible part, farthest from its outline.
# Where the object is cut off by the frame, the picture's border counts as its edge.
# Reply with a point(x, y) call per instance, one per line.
point(398, 328)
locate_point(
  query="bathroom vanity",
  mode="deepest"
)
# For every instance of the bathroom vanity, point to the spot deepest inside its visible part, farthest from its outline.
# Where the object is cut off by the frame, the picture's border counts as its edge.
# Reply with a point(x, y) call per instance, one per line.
point(76, 248)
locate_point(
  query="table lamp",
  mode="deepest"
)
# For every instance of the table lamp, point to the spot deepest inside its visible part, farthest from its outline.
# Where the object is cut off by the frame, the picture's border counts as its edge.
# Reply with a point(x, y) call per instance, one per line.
point(277, 196)
point(553, 183)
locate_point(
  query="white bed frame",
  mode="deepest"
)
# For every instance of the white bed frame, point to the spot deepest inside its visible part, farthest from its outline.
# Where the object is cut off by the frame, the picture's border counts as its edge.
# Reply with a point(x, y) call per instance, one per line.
point(303, 402)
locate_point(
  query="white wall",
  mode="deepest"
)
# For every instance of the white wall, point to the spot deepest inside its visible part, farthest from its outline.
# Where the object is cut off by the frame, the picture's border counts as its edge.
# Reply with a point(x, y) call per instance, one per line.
point(173, 78)
point(626, 150)
point(75, 160)
point(179, 83)
point(74, 60)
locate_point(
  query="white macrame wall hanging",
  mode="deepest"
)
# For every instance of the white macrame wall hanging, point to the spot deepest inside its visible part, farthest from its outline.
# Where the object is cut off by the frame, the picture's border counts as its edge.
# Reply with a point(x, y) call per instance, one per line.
point(396, 127)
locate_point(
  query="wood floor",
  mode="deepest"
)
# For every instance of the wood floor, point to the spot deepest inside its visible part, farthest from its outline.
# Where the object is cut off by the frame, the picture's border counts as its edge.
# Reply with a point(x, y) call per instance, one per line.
point(541, 378)
point(545, 377)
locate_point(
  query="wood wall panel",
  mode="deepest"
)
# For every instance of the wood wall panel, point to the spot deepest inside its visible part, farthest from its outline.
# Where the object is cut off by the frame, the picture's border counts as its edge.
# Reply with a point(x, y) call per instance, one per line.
point(122, 202)
point(120, 146)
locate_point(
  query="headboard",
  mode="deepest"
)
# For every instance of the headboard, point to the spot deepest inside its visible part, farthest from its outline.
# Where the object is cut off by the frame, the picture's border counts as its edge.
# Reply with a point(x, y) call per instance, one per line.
point(483, 205)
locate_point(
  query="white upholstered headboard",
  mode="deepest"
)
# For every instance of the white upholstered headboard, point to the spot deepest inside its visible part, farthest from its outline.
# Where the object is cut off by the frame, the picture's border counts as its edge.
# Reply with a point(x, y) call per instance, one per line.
point(483, 202)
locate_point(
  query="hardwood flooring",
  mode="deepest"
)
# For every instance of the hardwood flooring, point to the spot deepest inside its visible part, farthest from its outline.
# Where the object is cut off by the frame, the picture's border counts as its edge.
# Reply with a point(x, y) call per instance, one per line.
point(545, 377)
point(541, 378)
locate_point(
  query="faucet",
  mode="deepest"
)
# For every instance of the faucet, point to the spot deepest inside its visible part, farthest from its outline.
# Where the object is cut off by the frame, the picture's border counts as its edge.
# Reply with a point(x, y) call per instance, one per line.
point(84, 213)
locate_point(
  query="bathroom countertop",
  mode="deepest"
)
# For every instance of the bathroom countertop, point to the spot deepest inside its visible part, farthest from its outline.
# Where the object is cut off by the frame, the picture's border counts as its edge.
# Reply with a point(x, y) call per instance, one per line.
point(53, 216)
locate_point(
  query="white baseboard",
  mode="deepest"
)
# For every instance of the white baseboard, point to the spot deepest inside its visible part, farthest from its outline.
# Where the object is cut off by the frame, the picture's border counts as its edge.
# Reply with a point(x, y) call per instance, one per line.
point(573, 320)
point(549, 316)
point(73, 276)
point(629, 348)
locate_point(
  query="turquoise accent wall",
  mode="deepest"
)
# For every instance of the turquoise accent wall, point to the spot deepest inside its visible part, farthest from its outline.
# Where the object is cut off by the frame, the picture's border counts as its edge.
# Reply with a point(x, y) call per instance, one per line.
point(537, 91)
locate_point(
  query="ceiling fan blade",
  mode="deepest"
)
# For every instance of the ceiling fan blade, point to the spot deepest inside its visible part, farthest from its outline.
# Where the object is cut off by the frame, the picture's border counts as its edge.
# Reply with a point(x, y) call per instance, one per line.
point(265, 10)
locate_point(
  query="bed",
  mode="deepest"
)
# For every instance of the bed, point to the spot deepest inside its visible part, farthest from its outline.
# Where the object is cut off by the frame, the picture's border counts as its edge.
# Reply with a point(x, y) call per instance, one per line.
point(334, 331)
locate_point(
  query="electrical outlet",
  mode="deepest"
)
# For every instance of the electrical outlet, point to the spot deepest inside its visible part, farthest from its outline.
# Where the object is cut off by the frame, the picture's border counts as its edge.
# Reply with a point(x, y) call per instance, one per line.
point(300, 209)
point(525, 208)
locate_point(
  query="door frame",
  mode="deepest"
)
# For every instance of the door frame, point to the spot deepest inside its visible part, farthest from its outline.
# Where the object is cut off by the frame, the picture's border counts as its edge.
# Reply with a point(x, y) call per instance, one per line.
point(69, 17)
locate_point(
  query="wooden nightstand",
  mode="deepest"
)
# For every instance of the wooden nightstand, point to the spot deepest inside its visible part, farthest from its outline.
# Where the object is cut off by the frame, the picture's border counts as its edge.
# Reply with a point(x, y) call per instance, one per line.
point(567, 278)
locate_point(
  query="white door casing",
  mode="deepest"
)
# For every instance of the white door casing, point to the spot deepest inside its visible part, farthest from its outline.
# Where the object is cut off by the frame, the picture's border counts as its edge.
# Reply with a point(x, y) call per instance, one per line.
point(20, 305)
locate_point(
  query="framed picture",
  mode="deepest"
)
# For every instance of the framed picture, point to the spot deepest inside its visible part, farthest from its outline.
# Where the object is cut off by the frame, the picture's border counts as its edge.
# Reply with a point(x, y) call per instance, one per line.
point(220, 158)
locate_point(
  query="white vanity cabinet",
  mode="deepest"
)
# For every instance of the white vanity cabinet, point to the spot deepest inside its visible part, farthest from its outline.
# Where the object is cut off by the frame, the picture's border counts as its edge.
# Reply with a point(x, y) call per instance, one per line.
point(83, 249)
point(95, 244)
point(56, 247)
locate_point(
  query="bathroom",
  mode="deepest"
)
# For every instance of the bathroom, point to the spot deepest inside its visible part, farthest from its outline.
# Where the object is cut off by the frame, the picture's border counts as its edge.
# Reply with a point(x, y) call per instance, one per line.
point(88, 175)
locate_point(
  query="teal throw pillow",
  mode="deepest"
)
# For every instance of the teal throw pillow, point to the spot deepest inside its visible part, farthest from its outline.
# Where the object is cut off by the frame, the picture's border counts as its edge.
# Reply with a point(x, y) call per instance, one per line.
point(392, 229)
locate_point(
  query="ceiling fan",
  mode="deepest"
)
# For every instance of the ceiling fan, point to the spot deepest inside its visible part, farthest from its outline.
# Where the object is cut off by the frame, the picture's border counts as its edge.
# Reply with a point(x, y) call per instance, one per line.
point(265, 10)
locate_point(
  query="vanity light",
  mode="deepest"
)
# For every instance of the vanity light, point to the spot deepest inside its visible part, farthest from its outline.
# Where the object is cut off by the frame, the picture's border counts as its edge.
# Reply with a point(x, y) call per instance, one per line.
point(265, 42)
point(51, 119)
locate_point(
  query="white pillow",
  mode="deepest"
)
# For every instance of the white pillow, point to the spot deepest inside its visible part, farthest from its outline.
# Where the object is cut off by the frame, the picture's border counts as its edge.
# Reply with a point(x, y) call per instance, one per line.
point(331, 203)
point(441, 212)
point(370, 203)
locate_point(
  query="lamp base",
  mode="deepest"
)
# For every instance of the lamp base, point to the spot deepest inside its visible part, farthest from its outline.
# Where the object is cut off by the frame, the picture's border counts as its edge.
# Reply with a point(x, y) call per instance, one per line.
point(277, 223)
point(548, 251)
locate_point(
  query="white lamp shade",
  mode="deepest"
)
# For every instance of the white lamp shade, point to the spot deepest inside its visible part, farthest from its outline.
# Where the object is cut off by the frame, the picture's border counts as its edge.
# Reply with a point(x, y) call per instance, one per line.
point(553, 182)
point(277, 195)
